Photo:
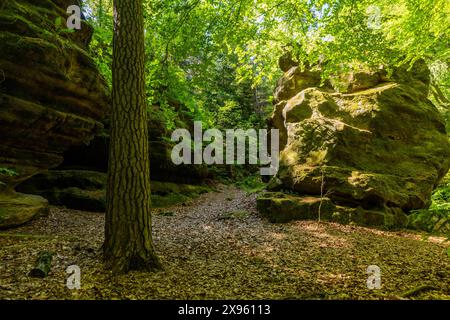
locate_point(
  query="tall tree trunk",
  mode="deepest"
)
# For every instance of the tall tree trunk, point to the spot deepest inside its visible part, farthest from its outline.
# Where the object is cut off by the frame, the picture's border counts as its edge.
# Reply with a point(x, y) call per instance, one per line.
point(128, 239)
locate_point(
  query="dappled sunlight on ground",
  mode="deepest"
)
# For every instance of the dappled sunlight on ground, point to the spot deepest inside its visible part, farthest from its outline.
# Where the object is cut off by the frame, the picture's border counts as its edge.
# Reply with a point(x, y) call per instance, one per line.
point(207, 256)
point(320, 235)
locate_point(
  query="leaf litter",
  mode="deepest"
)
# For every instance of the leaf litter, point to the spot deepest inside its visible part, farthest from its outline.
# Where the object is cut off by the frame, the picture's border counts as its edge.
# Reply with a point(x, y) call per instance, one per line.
point(217, 247)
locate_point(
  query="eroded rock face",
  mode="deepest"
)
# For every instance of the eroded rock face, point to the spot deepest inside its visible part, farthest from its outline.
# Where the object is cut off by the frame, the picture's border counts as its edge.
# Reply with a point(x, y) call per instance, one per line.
point(75, 189)
point(381, 147)
point(86, 190)
point(95, 155)
point(51, 93)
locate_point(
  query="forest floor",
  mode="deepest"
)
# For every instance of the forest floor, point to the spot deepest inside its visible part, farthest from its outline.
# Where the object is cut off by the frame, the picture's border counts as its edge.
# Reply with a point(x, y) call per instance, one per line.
point(217, 247)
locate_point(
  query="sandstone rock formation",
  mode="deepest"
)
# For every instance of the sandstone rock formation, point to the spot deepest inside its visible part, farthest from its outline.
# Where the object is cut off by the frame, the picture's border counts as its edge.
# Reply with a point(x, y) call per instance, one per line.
point(86, 190)
point(51, 94)
point(75, 189)
point(370, 154)
point(94, 156)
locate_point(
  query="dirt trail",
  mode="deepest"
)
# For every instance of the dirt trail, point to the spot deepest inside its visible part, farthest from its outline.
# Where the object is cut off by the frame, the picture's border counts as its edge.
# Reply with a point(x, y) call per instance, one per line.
point(217, 247)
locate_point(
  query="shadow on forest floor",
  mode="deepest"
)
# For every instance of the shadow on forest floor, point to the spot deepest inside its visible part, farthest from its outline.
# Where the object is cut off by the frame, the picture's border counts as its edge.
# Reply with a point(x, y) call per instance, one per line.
point(218, 248)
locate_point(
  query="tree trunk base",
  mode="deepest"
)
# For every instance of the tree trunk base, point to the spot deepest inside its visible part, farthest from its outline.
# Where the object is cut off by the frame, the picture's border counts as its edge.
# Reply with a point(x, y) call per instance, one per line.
point(124, 264)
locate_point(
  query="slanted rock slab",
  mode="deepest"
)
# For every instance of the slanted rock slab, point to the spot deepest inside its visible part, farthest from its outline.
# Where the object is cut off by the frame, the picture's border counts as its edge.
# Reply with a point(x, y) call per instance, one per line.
point(18, 208)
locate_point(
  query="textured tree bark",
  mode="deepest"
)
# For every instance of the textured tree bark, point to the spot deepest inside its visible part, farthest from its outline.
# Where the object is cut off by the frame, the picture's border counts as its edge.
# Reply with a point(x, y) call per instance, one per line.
point(128, 239)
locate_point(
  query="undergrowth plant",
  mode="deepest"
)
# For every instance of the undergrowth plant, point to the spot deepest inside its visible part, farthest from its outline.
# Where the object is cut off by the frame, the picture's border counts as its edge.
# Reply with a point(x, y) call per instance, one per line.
point(436, 218)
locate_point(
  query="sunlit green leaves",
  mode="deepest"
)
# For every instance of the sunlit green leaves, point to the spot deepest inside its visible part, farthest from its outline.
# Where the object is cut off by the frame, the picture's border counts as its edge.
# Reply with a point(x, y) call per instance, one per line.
point(8, 172)
point(188, 42)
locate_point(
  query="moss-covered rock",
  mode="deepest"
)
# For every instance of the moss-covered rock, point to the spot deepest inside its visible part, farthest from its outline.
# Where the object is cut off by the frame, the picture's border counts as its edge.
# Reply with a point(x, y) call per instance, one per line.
point(286, 62)
point(17, 208)
point(95, 155)
point(85, 190)
point(51, 95)
point(295, 80)
point(382, 147)
point(164, 188)
point(281, 207)
point(165, 194)
point(75, 189)
point(80, 199)
point(63, 179)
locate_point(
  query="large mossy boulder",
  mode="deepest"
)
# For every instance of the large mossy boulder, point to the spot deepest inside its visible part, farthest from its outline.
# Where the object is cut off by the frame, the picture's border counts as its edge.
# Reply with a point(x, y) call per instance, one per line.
point(51, 93)
point(282, 207)
point(381, 149)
